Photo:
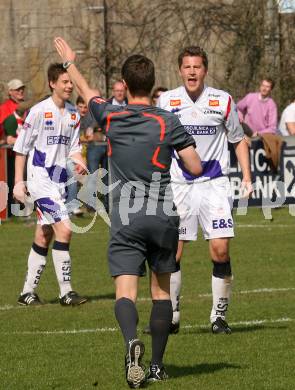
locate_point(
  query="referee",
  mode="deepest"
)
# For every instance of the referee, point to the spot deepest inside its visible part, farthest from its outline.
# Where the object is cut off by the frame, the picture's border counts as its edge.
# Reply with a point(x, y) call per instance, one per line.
point(144, 224)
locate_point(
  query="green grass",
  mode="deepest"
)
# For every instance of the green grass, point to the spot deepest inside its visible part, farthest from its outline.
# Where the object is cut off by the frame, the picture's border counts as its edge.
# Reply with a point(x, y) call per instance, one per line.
point(258, 355)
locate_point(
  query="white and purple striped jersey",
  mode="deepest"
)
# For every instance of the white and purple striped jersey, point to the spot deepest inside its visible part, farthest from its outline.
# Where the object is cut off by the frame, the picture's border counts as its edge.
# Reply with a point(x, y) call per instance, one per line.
point(213, 121)
point(49, 137)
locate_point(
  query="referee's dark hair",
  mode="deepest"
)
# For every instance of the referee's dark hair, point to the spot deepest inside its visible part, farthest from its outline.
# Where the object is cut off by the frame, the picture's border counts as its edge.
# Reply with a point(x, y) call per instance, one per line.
point(193, 51)
point(138, 72)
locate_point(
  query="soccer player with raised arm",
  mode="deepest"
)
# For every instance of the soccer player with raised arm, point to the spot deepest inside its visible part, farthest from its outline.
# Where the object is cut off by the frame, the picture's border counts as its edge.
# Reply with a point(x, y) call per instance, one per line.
point(140, 140)
point(49, 136)
point(210, 116)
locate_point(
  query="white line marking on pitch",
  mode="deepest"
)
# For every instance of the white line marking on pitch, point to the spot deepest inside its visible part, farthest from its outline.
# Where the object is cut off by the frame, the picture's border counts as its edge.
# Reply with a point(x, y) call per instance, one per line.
point(103, 330)
point(8, 307)
point(144, 299)
point(256, 291)
point(262, 226)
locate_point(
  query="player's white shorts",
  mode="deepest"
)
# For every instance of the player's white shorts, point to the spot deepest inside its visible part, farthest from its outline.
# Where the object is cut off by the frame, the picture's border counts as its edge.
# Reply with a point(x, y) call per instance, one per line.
point(49, 197)
point(207, 203)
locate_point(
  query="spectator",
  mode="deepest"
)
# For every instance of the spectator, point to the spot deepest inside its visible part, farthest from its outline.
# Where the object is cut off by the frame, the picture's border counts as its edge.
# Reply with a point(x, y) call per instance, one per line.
point(258, 110)
point(12, 126)
point(287, 122)
point(156, 94)
point(119, 94)
point(13, 123)
point(16, 89)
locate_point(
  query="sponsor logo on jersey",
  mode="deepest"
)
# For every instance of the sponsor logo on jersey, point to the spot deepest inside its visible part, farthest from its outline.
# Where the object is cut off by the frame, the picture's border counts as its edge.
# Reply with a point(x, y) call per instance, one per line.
point(99, 100)
point(73, 117)
point(26, 126)
point(48, 115)
point(213, 95)
point(176, 111)
point(58, 139)
point(175, 102)
point(212, 112)
point(200, 130)
point(49, 125)
point(213, 103)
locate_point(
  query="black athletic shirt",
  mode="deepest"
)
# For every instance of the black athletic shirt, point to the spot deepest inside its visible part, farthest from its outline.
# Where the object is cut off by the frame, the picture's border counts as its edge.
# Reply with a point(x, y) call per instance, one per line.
point(140, 140)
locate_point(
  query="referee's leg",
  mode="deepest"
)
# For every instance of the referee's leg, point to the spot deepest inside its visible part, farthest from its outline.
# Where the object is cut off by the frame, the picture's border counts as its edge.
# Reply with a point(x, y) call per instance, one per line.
point(161, 316)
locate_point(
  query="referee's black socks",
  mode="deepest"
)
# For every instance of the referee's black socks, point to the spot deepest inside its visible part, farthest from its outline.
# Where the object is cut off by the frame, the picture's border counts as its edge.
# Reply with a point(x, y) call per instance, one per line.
point(127, 317)
point(160, 321)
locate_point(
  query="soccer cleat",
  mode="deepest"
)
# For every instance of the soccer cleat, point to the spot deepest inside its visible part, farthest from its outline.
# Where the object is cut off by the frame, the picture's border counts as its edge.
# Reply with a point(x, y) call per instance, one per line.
point(220, 326)
point(29, 299)
point(135, 374)
point(157, 374)
point(72, 299)
point(174, 328)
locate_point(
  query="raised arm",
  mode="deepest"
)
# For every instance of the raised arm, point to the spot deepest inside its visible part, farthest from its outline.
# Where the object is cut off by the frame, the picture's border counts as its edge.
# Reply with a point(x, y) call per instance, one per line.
point(68, 57)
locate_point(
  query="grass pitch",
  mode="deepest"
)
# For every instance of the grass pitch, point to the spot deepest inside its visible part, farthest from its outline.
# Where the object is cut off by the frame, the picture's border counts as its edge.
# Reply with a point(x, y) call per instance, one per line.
point(55, 347)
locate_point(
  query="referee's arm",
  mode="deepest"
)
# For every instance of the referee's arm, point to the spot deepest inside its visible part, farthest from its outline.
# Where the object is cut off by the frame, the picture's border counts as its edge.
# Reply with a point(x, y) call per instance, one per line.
point(68, 57)
point(191, 160)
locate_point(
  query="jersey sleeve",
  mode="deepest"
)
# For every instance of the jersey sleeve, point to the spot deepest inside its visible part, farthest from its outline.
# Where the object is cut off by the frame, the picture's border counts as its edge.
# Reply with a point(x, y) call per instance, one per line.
point(28, 133)
point(162, 101)
point(289, 115)
point(97, 108)
point(180, 139)
point(235, 132)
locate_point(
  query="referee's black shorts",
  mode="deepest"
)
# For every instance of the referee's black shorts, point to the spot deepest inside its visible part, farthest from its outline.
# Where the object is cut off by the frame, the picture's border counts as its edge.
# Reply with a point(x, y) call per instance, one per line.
point(151, 238)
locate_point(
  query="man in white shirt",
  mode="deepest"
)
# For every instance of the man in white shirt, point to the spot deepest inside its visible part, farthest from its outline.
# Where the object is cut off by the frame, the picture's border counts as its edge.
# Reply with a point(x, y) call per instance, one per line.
point(119, 94)
point(210, 116)
point(287, 122)
point(50, 135)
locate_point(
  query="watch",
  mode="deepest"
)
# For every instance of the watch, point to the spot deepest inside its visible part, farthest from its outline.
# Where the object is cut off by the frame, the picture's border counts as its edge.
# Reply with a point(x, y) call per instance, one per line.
point(66, 64)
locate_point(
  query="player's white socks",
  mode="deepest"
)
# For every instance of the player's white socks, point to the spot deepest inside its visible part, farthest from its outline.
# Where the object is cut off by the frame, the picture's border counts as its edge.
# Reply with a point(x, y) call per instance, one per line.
point(62, 264)
point(36, 265)
point(221, 289)
point(175, 286)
